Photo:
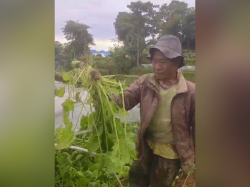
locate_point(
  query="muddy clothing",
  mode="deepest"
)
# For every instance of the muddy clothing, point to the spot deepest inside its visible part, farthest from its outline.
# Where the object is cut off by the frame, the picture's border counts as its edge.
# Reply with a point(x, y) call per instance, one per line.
point(158, 172)
point(145, 92)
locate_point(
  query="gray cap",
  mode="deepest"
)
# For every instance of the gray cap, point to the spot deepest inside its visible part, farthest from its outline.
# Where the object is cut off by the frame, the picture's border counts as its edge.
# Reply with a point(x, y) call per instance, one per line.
point(170, 46)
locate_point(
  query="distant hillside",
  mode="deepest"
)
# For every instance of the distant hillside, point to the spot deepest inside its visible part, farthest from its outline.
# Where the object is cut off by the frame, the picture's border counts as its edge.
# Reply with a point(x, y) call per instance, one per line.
point(102, 52)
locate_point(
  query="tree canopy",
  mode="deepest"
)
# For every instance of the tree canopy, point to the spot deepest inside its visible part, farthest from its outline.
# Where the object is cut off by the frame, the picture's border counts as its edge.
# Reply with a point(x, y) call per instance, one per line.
point(148, 20)
point(78, 37)
point(138, 29)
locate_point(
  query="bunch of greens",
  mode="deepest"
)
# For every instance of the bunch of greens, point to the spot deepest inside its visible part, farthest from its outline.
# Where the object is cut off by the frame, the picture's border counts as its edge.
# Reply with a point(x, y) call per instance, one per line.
point(110, 142)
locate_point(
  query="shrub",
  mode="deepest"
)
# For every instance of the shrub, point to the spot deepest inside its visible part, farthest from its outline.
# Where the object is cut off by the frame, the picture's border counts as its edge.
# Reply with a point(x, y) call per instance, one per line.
point(189, 75)
point(141, 71)
point(104, 71)
point(129, 79)
point(190, 62)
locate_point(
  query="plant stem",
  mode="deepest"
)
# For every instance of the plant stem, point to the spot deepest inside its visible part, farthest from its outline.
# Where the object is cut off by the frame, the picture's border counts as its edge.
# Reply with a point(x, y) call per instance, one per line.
point(123, 107)
point(104, 121)
point(79, 116)
point(97, 133)
point(78, 77)
point(188, 176)
point(113, 115)
point(118, 180)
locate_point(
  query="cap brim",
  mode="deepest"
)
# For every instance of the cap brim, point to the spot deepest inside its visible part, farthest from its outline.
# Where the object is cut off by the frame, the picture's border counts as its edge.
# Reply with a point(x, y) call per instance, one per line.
point(168, 53)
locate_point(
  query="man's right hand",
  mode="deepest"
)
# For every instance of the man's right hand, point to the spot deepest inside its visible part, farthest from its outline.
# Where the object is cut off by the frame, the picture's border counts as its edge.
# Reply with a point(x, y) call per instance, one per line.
point(95, 75)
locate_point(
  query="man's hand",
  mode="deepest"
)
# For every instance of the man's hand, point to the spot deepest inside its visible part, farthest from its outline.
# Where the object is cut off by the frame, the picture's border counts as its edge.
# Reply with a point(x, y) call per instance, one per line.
point(95, 75)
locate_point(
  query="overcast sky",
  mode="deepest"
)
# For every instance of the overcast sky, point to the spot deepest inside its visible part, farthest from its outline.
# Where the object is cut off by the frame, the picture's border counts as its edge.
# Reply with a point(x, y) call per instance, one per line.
point(98, 14)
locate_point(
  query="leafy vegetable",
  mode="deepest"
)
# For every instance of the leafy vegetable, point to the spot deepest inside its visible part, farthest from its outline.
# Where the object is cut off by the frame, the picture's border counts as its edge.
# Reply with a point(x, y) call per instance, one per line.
point(111, 140)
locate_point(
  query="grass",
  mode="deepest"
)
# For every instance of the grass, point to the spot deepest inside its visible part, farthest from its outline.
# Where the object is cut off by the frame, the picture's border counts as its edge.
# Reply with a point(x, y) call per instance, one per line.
point(190, 62)
point(189, 75)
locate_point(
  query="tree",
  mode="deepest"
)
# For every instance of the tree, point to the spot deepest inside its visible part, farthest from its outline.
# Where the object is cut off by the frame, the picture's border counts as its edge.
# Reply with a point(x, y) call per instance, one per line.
point(58, 50)
point(189, 30)
point(132, 28)
point(174, 15)
point(123, 27)
point(78, 37)
point(147, 19)
point(122, 61)
point(66, 56)
point(153, 21)
point(179, 20)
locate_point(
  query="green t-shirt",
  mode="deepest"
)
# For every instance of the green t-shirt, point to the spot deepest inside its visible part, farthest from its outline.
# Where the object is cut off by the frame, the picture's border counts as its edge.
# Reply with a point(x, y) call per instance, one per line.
point(160, 138)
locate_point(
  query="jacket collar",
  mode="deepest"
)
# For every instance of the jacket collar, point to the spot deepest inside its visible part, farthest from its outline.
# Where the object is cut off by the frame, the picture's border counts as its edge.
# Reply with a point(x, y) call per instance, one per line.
point(181, 82)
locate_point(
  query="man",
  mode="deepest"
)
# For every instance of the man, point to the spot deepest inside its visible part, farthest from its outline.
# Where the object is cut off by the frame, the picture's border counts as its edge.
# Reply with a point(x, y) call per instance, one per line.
point(165, 139)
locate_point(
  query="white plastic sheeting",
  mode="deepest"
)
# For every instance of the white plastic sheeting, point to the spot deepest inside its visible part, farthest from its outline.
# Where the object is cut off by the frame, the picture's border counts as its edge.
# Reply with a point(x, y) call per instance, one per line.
point(134, 114)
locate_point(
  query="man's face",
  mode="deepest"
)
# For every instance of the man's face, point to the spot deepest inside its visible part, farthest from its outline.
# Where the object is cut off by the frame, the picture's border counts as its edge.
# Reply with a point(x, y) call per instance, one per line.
point(162, 66)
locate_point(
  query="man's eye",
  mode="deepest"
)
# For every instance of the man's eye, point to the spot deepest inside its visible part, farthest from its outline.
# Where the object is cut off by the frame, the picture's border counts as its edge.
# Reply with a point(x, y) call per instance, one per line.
point(159, 61)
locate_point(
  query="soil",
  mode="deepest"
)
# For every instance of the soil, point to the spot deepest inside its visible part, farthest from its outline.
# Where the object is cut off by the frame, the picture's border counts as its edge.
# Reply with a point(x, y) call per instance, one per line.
point(189, 183)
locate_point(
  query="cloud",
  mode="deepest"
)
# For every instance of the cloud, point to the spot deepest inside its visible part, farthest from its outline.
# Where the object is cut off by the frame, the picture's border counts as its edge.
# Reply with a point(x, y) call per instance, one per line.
point(103, 45)
point(98, 14)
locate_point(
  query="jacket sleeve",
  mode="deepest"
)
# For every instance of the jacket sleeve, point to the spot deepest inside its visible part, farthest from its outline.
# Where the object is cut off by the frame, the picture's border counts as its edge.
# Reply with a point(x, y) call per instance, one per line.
point(132, 95)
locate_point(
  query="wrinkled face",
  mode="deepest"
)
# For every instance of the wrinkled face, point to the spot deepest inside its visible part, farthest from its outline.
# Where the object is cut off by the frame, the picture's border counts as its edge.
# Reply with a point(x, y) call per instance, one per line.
point(162, 66)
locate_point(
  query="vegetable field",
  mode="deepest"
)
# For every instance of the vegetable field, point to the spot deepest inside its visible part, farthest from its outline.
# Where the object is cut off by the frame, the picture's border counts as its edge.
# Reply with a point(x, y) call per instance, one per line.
point(100, 152)
point(96, 146)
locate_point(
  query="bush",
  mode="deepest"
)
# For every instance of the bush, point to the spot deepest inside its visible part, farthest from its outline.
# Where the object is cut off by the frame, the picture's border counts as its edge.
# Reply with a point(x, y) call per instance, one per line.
point(189, 62)
point(128, 79)
point(189, 75)
point(104, 71)
point(141, 71)
point(189, 55)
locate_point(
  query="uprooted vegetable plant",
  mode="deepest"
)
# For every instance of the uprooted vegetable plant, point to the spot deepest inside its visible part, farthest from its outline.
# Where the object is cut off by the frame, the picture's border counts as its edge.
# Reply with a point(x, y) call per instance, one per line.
point(100, 152)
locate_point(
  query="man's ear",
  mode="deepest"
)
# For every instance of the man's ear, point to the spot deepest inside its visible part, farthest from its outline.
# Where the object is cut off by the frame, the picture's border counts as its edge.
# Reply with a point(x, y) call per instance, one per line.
point(179, 61)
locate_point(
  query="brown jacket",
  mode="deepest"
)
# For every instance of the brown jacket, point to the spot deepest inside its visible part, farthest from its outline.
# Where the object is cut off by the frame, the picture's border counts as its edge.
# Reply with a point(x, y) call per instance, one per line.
point(143, 91)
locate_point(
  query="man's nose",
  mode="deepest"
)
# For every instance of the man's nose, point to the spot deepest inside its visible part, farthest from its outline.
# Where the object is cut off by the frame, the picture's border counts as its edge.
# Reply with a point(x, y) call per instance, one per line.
point(157, 65)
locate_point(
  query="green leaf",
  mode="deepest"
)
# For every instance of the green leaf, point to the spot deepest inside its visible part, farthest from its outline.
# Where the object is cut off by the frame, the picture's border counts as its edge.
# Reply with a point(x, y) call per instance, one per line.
point(84, 122)
point(122, 114)
point(89, 101)
point(72, 156)
point(114, 91)
point(79, 157)
point(116, 166)
point(66, 154)
point(59, 131)
point(66, 139)
point(88, 174)
point(68, 105)
point(85, 181)
point(60, 92)
point(93, 144)
point(108, 162)
point(93, 184)
point(66, 77)
point(99, 129)
point(119, 128)
point(80, 174)
point(91, 121)
point(68, 124)
point(77, 96)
